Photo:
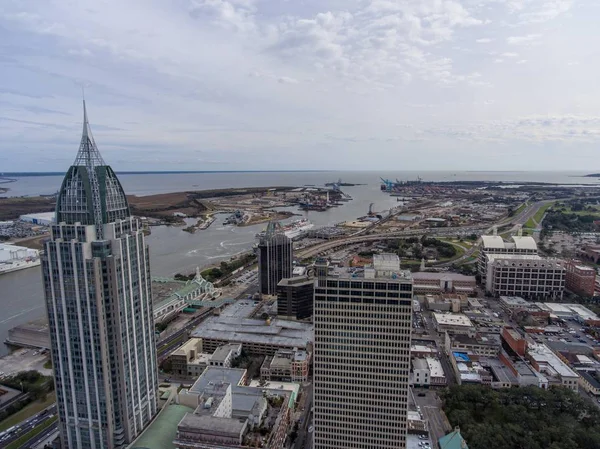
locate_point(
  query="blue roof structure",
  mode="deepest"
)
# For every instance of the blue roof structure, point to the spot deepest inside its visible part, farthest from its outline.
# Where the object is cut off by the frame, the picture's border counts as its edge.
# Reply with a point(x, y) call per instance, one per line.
point(461, 356)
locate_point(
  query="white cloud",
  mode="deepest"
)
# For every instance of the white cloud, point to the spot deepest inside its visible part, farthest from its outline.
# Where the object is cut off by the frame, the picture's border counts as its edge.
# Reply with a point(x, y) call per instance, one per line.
point(523, 40)
point(310, 84)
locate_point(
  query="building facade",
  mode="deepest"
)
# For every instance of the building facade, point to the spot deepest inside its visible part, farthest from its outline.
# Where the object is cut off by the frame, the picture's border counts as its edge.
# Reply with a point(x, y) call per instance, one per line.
point(295, 298)
point(361, 359)
point(97, 287)
point(528, 276)
point(580, 279)
point(275, 258)
point(494, 244)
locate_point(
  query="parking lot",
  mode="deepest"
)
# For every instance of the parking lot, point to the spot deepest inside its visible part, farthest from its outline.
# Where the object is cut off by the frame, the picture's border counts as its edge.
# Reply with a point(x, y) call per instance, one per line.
point(24, 360)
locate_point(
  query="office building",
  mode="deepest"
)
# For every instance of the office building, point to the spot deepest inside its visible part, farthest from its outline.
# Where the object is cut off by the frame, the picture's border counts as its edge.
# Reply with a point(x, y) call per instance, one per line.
point(426, 282)
point(97, 288)
point(495, 244)
point(275, 257)
point(528, 276)
point(580, 279)
point(361, 364)
point(295, 298)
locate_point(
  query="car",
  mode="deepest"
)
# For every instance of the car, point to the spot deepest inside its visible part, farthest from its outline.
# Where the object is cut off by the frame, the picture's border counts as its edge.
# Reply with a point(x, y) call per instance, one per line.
point(421, 394)
point(310, 429)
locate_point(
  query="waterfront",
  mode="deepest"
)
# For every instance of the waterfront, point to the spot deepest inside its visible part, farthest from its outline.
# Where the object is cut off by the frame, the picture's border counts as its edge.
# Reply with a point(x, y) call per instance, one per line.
point(173, 250)
point(148, 184)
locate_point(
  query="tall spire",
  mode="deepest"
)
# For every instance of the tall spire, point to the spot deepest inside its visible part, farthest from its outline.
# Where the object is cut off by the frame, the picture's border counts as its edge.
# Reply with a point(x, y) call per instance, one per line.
point(88, 154)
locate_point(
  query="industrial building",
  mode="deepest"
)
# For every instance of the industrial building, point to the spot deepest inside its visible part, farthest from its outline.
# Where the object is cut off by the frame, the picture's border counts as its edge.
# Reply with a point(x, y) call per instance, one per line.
point(295, 298)
point(363, 321)
point(13, 258)
point(529, 276)
point(41, 218)
point(275, 258)
point(258, 336)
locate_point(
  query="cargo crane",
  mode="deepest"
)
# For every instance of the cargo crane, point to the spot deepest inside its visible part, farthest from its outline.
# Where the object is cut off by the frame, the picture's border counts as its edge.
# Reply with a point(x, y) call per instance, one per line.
point(387, 185)
point(371, 213)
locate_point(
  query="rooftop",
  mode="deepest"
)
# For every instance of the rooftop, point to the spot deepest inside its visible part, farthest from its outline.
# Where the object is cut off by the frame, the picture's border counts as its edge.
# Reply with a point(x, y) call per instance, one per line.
point(431, 275)
point(593, 377)
point(453, 440)
point(452, 319)
point(518, 242)
point(212, 425)
point(543, 355)
point(514, 301)
point(419, 363)
point(435, 367)
point(214, 375)
point(531, 259)
point(163, 430)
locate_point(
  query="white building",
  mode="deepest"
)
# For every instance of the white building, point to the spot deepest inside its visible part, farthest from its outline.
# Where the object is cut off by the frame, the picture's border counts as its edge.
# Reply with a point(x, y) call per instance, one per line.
point(494, 244)
point(363, 321)
point(528, 276)
point(548, 363)
point(455, 323)
point(420, 373)
point(41, 218)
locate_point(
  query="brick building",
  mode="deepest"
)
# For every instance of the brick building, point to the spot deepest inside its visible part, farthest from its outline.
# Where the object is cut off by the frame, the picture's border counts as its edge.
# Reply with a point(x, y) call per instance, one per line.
point(580, 279)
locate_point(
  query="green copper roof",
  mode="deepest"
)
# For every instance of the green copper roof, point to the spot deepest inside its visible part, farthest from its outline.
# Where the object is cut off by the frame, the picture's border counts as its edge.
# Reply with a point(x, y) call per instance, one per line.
point(163, 430)
point(453, 440)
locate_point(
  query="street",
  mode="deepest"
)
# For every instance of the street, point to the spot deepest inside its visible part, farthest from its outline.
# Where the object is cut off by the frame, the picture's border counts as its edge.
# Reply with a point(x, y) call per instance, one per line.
point(431, 407)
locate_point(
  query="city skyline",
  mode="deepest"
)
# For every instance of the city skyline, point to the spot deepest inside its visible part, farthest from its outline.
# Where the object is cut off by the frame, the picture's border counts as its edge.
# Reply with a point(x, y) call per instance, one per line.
point(245, 84)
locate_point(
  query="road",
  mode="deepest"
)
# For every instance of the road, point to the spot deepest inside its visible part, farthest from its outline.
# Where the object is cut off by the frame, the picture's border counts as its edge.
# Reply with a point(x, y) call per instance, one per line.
point(431, 407)
point(27, 425)
point(304, 438)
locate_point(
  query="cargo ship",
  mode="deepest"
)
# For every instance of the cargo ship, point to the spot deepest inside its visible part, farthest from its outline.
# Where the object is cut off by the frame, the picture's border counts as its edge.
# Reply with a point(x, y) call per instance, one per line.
point(294, 229)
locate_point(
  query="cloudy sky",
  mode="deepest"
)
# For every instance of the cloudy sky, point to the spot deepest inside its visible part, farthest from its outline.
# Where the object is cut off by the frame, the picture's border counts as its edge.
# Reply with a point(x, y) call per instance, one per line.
point(302, 84)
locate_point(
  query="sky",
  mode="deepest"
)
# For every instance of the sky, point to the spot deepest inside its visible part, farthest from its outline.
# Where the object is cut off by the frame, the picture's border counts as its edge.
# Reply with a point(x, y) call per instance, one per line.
point(302, 84)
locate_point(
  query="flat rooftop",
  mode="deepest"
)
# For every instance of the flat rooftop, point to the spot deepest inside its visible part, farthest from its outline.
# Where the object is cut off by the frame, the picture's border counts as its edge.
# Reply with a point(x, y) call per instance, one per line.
point(163, 430)
point(542, 354)
point(452, 319)
point(214, 375)
point(432, 275)
point(435, 367)
point(514, 301)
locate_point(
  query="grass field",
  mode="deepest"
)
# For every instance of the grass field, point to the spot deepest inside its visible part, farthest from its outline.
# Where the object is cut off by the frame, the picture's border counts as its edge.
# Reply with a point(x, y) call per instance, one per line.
point(521, 208)
point(19, 442)
point(27, 412)
point(537, 218)
point(595, 212)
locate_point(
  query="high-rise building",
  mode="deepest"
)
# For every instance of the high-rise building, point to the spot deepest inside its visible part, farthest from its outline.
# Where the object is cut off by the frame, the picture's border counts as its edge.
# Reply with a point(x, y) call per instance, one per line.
point(97, 286)
point(362, 320)
point(275, 258)
point(295, 298)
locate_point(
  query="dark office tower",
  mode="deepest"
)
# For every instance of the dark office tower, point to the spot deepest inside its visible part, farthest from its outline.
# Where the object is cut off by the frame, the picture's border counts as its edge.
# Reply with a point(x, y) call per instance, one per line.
point(275, 256)
point(363, 321)
point(98, 296)
point(295, 298)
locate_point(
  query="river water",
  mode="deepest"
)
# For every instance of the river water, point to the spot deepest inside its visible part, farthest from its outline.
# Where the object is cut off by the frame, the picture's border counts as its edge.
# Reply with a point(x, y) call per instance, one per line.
point(172, 250)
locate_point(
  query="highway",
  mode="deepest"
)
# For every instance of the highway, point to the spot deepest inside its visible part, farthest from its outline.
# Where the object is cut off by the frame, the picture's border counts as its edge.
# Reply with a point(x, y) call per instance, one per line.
point(27, 426)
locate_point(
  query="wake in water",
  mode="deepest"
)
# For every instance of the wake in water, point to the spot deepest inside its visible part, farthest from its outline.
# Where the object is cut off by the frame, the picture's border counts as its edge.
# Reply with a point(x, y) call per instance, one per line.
point(22, 312)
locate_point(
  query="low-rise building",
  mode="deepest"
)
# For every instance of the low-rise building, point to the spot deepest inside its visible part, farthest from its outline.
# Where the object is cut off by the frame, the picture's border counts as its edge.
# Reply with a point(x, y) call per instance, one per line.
point(183, 355)
point(229, 415)
point(545, 361)
point(258, 336)
point(529, 276)
point(437, 377)
point(474, 344)
point(286, 365)
point(580, 279)
point(449, 302)
point(590, 381)
point(420, 373)
point(454, 323)
point(426, 282)
point(223, 355)
point(515, 341)
point(512, 303)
